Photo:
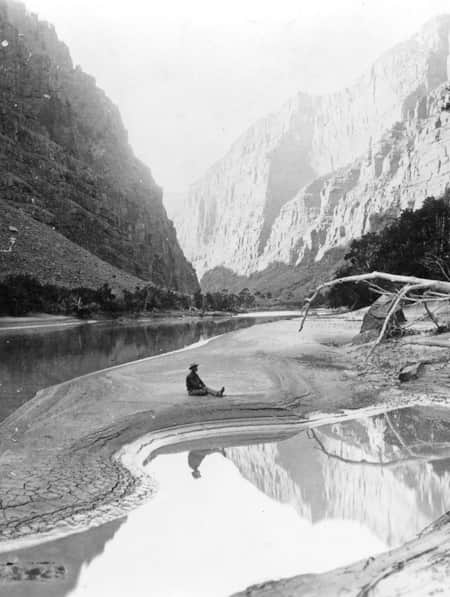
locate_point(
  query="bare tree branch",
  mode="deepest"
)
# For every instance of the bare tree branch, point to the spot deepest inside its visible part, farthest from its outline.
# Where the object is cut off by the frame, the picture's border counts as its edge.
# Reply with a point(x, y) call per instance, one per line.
point(393, 308)
point(412, 289)
point(442, 266)
point(431, 315)
point(381, 463)
point(412, 282)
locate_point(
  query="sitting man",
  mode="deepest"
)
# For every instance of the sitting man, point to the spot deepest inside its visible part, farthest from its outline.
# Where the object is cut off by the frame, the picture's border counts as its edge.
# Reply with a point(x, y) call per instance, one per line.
point(195, 385)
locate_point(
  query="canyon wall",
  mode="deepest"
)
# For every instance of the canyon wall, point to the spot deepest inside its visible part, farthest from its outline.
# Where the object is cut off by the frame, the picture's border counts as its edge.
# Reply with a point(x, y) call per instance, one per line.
point(66, 163)
point(315, 175)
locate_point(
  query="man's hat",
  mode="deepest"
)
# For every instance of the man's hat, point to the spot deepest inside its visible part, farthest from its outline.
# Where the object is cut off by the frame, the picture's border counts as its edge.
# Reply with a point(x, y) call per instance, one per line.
point(193, 366)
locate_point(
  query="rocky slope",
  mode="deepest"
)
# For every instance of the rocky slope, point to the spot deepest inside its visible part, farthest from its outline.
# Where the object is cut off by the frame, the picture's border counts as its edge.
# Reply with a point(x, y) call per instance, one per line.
point(67, 164)
point(319, 172)
point(44, 253)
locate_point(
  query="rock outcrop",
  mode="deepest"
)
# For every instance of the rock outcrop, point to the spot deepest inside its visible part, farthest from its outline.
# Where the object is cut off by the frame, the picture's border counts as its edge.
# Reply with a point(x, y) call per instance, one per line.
point(67, 164)
point(375, 317)
point(322, 170)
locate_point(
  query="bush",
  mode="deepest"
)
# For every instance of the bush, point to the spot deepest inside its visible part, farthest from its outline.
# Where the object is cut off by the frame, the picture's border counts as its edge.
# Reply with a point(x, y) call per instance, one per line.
point(20, 295)
point(415, 244)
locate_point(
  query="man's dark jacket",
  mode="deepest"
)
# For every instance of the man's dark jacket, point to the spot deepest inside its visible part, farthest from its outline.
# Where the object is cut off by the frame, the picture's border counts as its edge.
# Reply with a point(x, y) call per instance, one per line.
point(193, 382)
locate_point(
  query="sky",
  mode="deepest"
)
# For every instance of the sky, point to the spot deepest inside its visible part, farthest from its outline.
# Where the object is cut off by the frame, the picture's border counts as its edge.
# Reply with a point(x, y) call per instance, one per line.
point(190, 77)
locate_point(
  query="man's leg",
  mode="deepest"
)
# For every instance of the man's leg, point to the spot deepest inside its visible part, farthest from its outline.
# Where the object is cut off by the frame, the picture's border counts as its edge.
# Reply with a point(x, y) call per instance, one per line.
point(212, 392)
point(202, 392)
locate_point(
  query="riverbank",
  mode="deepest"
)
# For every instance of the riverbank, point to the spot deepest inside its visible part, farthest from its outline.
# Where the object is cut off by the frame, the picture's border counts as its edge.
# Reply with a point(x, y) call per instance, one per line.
point(42, 321)
point(57, 469)
point(39, 356)
point(62, 466)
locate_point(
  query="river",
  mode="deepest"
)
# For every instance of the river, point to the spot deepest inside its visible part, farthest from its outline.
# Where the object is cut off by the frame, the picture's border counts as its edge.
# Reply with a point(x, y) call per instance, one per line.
point(37, 358)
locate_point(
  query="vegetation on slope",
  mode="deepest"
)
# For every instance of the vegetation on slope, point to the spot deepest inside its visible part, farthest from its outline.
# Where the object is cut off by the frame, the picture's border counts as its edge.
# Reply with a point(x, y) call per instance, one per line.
point(279, 283)
point(23, 294)
point(415, 244)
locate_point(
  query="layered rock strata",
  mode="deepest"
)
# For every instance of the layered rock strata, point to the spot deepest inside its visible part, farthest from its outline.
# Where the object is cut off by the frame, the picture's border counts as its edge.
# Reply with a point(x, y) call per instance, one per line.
point(320, 171)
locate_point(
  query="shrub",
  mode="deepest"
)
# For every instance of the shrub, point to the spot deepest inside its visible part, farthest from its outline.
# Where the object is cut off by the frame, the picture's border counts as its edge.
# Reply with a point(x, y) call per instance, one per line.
point(20, 295)
point(415, 244)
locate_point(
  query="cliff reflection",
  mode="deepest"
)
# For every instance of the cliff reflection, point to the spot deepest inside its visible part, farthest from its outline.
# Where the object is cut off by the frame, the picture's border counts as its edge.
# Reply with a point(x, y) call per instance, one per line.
point(73, 552)
point(390, 472)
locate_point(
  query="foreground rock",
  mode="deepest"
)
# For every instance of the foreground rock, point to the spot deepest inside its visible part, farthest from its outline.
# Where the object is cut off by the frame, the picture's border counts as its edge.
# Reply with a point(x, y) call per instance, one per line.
point(377, 313)
point(418, 569)
point(410, 372)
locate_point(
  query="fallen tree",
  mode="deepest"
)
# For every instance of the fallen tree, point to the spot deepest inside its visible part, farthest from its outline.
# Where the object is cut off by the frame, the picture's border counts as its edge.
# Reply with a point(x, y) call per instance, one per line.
point(407, 289)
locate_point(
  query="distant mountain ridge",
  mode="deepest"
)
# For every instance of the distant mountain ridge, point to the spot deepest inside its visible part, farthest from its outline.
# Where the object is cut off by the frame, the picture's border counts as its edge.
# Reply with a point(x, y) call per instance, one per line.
point(318, 173)
point(66, 163)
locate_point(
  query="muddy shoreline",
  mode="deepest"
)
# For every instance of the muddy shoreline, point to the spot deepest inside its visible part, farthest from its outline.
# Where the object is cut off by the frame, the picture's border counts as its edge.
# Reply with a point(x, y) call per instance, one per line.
point(85, 484)
point(57, 468)
point(43, 321)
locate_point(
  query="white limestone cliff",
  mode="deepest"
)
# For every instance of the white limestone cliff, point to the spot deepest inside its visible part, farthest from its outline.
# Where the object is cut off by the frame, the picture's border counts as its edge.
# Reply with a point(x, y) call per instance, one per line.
point(409, 163)
point(312, 176)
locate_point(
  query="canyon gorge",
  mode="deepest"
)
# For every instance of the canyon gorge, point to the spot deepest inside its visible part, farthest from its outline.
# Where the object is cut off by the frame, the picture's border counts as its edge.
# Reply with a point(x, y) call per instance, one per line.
point(299, 185)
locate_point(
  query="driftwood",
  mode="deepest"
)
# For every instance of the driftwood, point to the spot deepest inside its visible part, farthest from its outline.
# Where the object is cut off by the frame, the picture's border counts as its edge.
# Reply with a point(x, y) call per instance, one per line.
point(411, 289)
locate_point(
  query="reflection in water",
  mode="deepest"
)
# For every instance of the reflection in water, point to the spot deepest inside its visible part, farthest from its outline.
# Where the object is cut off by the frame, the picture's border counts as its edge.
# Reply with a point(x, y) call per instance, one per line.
point(37, 359)
point(390, 472)
point(212, 537)
point(74, 552)
point(196, 457)
point(304, 504)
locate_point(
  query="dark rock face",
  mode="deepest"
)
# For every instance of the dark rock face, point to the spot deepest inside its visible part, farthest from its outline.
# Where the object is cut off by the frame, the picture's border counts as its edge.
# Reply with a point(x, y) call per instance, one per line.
point(411, 371)
point(375, 316)
point(47, 255)
point(66, 161)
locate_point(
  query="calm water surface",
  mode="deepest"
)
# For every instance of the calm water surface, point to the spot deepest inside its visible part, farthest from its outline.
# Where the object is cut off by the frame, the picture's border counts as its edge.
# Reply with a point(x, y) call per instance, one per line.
point(38, 358)
point(263, 509)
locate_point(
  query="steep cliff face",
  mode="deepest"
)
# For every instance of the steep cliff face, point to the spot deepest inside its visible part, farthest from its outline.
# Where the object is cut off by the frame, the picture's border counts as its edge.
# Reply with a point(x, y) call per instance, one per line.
point(409, 163)
point(66, 161)
point(312, 176)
